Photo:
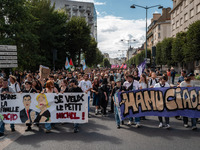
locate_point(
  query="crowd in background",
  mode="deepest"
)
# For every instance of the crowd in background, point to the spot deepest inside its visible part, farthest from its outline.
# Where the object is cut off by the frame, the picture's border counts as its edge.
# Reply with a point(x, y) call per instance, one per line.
point(100, 85)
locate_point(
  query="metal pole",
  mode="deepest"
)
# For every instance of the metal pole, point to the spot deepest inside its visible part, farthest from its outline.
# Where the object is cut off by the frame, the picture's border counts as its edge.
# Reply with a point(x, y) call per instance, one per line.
point(146, 35)
point(128, 54)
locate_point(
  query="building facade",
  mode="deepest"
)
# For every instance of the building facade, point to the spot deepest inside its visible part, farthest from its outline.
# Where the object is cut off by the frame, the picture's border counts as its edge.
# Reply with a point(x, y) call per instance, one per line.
point(184, 13)
point(80, 9)
point(160, 28)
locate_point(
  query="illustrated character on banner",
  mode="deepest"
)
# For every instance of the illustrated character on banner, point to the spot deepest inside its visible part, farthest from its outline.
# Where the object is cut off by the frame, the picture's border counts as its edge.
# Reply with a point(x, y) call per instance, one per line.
point(27, 115)
point(44, 115)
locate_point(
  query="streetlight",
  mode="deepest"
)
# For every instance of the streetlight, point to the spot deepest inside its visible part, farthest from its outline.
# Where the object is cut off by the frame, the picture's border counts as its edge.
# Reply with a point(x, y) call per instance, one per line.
point(129, 41)
point(159, 7)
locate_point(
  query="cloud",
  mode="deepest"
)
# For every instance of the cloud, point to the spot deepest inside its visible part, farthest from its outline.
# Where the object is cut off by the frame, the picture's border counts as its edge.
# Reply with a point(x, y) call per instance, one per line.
point(112, 29)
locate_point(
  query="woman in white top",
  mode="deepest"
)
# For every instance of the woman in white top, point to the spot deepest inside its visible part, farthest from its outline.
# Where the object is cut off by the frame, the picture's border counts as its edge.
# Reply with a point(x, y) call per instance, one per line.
point(143, 81)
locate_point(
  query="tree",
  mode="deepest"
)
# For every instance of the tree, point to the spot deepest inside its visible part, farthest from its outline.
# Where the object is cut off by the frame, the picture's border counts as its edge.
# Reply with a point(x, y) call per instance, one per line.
point(192, 46)
point(77, 37)
point(106, 63)
point(158, 54)
point(166, 52)
point(178, 48)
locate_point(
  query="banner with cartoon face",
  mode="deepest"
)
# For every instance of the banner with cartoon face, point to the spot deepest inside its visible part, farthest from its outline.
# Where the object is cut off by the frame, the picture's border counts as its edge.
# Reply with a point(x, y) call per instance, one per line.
point(41, 108)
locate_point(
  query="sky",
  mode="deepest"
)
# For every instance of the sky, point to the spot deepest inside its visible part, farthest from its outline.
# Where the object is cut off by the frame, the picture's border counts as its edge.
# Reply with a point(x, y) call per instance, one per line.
point(117, 21)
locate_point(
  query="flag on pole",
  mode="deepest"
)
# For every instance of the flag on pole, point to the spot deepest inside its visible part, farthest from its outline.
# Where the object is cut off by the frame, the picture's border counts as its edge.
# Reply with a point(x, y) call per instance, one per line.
point(141, 68)
point(122, 66)
point(67, 63)
point(84, 64)
point(125, 66)
point(71, 63)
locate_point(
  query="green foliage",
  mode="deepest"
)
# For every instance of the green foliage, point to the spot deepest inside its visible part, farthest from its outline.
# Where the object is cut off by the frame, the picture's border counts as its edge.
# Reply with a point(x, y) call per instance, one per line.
point(178, 47)
point(192, 47)
point(139, 58)
point(106, 63)
point(158, 54)
point(78, 38)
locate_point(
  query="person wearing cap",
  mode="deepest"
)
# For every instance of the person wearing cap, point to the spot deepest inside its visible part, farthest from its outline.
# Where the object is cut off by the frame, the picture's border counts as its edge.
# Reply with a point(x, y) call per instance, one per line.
point(6, 90)
point(163, 83)
point(188, 83)
point(117, 88)
point(14, 84)
point(73, 88)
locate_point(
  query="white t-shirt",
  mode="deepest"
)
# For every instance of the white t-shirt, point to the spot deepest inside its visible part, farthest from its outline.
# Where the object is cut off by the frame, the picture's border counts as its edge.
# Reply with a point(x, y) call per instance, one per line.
point(159, 85)
point(143, 85)
point(136, 85)
point(127, 84)
point(153, 82)
point(185, 84)
point(85, 85)
point(16, 87)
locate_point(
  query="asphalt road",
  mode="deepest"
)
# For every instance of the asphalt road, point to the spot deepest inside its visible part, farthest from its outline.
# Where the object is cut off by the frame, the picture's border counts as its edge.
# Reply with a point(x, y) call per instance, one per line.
point(101, 134)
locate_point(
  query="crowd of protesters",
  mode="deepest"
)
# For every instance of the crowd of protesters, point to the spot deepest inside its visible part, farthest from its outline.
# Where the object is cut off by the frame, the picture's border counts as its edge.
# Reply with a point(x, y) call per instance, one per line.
point(100, 85)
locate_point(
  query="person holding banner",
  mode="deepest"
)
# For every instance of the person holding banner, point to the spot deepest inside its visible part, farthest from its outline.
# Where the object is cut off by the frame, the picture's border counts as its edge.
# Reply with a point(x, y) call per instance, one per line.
point(95, 86)
point(134, 86)
point(117, 88)
point(163, 83)
point(153, 80)
point(6, 90)
point(188, 83)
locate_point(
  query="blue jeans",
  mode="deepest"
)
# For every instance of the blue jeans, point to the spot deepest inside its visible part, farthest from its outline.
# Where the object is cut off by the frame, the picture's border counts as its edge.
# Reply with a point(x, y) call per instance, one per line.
point(137, 119)
point(193, 121)
point(88, 104)
point(2, 127)
point(47, 126)
point(117, 116)
point(76, 125)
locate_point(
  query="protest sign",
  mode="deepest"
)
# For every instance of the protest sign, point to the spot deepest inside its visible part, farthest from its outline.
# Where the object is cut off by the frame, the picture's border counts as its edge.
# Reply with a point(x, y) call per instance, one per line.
point(41, 108)
point(165, 102)
point(44, 71)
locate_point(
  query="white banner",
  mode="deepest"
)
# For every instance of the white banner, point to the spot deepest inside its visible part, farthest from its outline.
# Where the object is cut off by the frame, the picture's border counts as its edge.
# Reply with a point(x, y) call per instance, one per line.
point(41, 108)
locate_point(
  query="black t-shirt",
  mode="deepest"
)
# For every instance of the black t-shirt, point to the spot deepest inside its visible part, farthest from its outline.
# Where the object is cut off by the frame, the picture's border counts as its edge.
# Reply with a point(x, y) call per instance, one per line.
point(46, 114)
point(29, 91)
point(122, 88)
point(136, 78)
point(75, 89)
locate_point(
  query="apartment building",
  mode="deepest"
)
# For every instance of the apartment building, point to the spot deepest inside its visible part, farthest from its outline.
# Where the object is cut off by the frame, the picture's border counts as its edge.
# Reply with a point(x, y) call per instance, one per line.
point(80, 9)
point(159, 28)
point(184, 13)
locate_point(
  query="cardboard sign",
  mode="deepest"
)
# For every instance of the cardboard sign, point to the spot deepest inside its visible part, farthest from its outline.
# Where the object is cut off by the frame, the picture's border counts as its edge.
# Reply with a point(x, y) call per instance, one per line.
point(44, 71)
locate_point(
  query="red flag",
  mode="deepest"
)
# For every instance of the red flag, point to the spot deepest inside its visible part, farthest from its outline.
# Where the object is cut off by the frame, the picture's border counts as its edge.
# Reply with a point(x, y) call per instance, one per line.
point(71, 63)
point(122, 66)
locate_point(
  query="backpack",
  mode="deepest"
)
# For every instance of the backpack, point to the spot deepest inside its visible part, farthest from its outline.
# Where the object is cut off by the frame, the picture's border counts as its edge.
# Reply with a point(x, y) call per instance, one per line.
point(152, 81)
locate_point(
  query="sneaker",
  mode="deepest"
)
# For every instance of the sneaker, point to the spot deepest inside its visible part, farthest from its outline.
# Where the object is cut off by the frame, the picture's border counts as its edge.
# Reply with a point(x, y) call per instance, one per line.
point(13, 130)
point(1, 135)
point(167, 126)
point(118, 127)
point(76, 130)
point(194, 128)
point(160, 125)
point(137, 125)
point(28, 129)
point(89, 116)
point(186, 125)
point(96, 111)
point(129, 123)
point(47, 131)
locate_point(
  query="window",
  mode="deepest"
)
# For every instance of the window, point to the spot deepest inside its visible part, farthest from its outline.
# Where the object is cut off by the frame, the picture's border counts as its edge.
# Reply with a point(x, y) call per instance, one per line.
point(158, 35)
point(177, 24)
point(177, 11)
point(186, 17)
point(186, 2)
point(159, 27)
point(181, 7)
point(198, 8)
point(191, 13)
point(173, 26)
point(181, 21)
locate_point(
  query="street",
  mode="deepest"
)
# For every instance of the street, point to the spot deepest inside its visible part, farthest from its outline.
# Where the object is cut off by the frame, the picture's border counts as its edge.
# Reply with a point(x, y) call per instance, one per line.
point(101, 133)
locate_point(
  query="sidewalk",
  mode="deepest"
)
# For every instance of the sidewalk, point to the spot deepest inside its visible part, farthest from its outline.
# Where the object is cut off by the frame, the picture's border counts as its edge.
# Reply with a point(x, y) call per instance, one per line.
point(11, 136)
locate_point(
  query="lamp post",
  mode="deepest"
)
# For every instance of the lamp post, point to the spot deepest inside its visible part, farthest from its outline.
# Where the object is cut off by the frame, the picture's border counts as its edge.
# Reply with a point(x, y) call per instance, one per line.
point(129, 41)
point(159, 7)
